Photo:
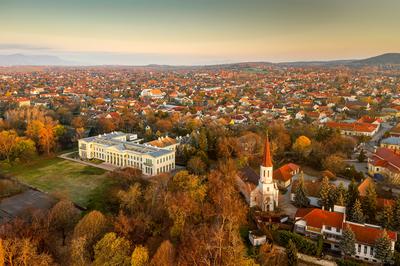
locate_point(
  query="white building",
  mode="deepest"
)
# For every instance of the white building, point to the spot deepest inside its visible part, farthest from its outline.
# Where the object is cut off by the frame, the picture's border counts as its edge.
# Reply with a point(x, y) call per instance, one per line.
point(124, 150)
point(329, 225)
point(265, 195)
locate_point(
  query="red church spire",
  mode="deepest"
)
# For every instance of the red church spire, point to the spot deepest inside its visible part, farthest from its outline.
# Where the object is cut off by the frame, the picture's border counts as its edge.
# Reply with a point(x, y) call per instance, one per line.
point(267, 162)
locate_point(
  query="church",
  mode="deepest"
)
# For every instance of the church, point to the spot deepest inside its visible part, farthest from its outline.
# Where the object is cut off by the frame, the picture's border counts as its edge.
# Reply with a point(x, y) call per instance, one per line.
point(265, 195)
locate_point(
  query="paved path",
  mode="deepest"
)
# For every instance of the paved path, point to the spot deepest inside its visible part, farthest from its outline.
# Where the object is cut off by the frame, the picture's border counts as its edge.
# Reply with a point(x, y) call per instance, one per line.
point(105, 166)
point(310, 259)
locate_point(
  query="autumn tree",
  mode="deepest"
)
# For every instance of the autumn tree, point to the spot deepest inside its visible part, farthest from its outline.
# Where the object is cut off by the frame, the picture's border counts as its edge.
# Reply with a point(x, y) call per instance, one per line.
point(112, 250)
point(165, 255)
point(334, 163)
point(140, 256)
point(131, 199)
point(12, 146)
point(62, 217)
point(302, 146)
point(91, 227)
point(196, 166)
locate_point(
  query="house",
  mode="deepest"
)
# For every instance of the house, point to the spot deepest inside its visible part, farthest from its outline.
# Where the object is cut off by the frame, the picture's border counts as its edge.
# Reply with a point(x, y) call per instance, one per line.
point(257, 238)
point(164, 143)
point(329, 225)
point(283, 175)
point(385, 162)
point(391, 143)
point(23, 102)
point(354, 128)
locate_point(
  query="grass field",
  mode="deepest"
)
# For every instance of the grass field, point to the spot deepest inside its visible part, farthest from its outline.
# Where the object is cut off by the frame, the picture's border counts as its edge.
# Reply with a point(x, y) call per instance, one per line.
point(81, 183)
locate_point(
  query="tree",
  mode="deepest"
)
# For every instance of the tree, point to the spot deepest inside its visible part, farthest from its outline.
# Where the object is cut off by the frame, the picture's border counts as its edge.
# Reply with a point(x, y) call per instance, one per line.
point(165, 255)
point(334, 163)
point(300, 196)
point(291, 252)
point(130, 200)
point(62, 217)
point(341, 195)
point(369, 202)
point(2, 253)
point(361, 157)
point(140, 256)
point(357, 213)
point(112, 251)
point(386, 217)
point(12, 146)
point(347, 243)
point(196, 165)
point(92, 227)
point(302, 146)
point(325, 192)
point(352, 194)
point(47, 139)
point(383, 248)
point(78, 252)
point(396, 214)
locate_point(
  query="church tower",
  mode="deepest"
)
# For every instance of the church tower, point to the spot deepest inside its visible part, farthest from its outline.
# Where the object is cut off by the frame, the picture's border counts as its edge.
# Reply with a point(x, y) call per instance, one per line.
point(265, 195)
point(266, 168)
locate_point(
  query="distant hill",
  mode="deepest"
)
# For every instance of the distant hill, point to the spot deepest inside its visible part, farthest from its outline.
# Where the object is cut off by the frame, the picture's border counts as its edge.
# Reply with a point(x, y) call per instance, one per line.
point(32, 60)
point(384, 59)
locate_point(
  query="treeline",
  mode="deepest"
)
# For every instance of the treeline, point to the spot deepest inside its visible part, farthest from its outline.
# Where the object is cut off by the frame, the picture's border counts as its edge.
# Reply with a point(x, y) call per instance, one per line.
point(180, 220)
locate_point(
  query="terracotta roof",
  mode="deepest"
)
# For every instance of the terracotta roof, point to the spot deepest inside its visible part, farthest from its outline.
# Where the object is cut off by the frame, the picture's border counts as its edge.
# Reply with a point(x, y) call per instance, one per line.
point(317, 218)
point(356, 126)
point(267, 162)
point(367, 234)
point(362, 188)
point(284, 173)
point(163, 142)
point(388, 155)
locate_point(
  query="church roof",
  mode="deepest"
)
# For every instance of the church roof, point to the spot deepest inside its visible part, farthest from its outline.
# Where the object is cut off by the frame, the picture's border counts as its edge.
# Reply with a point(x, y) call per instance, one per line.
point(267, 161)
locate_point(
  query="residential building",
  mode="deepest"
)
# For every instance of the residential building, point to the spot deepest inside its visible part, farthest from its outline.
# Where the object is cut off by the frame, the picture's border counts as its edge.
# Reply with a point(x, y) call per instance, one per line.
point(391, 143)
point(385, 162)
point(283, 175)
point(329, 225)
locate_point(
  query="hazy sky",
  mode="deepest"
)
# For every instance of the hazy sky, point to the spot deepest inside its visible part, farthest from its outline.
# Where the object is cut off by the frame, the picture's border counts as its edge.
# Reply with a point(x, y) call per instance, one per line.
point(199, 32)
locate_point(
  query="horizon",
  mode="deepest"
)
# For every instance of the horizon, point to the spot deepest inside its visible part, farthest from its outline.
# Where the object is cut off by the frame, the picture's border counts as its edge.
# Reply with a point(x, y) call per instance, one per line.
point(70, 63)
point(176, 32)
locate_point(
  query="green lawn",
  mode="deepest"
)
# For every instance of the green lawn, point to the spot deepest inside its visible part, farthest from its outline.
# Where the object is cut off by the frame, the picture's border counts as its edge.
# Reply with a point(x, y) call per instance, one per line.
point(81, 183)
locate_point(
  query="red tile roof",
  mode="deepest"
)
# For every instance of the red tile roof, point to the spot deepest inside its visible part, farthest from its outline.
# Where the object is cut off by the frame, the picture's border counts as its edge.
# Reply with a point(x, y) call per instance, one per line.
point(359, 127)
point(317, 218)
point(367, 234)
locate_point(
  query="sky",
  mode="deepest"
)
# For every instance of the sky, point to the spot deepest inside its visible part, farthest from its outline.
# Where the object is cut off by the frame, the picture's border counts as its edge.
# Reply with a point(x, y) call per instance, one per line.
point(138, 32)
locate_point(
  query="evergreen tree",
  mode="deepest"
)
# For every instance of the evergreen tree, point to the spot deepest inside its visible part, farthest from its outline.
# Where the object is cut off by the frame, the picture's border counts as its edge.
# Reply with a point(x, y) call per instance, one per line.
point(291, 252)
point(325, 192)
point(341, 195)
point(361, 157)
point(369, 202)
point(383, 249)
point(396, 214)
point(386, 217)
point(352, 194)
point(357, 213)
point(347, 244)
point(300, 197)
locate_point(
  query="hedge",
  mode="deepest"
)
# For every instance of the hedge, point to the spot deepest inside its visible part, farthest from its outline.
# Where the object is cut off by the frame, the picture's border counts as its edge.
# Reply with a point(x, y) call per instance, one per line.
point(303, 244)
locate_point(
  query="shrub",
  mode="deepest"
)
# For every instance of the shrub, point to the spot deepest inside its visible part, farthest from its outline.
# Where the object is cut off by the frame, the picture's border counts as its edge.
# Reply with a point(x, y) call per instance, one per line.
point(303, 244)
